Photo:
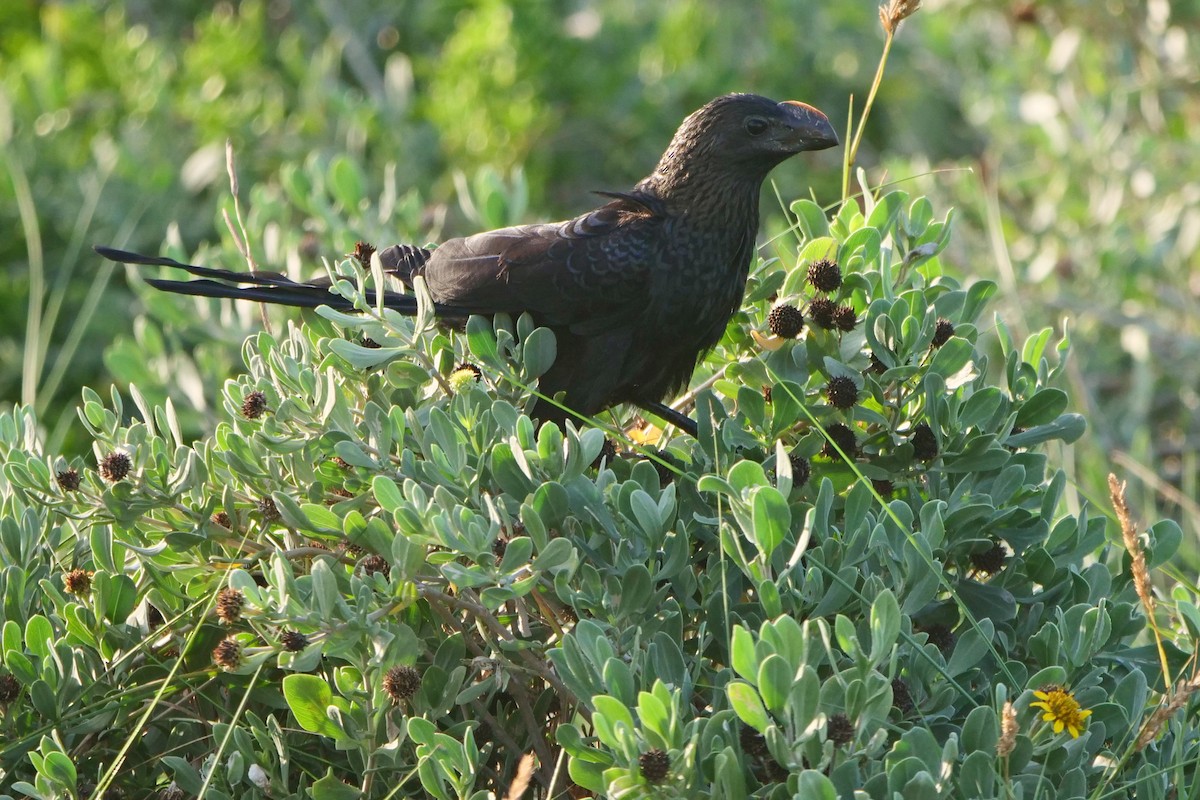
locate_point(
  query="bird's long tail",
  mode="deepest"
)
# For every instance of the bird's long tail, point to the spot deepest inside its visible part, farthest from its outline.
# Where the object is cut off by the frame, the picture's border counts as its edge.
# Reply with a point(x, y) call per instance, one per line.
point(272, 287)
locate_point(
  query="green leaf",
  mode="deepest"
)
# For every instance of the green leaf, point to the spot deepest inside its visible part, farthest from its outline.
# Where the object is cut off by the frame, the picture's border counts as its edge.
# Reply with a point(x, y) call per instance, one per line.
point(612, 720)
point(618, 680)
point(981, 730)
point(1044, 407)
point(980, 407)
point(1067, 428)
point(885, 625)
point(1165, 538)
point(747, 705)
point(555, 555)
point(746, 474)
point(539, 351)
point(865, 239)
point(361, 357)
point(58, 767)
point(39, 636)
point(886, 208)
point(952, 357)
point(119, 595)
point(587, 774)
point(811, 220)
point(645, 510)
point(744, 657)
point(387, 493)
point(775, 677)
point(184, 774)
point(481, 339)
point(812, 785)
point(655, 717)
point(329, 787)
point(308, 696)
point(772, 519)
point(970, 648)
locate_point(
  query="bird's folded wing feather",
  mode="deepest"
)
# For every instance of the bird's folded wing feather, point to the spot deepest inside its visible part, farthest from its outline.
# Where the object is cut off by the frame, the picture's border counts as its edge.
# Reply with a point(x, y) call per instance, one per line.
point(583, 273)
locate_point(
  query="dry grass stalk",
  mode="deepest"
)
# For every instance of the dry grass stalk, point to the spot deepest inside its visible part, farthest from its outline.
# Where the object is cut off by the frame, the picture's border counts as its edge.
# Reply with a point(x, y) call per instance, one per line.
point(1008, 731)
point(1175, 700)
point(1137, 559)
point(520, 781)
point(1129, 535)
point(895, 12)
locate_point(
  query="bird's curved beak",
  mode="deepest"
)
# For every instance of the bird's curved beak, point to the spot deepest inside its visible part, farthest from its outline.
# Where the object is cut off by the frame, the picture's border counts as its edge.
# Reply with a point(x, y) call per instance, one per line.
point(811, 127)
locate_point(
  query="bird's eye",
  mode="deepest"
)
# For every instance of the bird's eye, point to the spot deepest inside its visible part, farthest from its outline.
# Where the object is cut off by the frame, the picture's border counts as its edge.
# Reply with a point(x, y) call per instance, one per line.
point(756, 126)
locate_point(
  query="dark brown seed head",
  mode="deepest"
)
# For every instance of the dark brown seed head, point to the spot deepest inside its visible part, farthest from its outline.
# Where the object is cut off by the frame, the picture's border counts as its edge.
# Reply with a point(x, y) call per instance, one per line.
point(901, 696)
point(499, 546)
point(154, 617)
point(655, 765)
point(68, 480)
point(883, 487)
point(401, 683)
point(753, 743)
point(228, 654)
point(785, 321)
point(254, 404)
point(840, 729)
point(844, 318)
point(293, 641)
point(363, 252)
point(877, 366)
point(229, 605)
point(821, 311)
point(222, 519)
point(825, 275)
point(924, 442)
point(943, 332)
point(374, 563)
point(940, 636)
point(844, 436)
point(268, 509)
point(77, 582)
point(801, 469)
point(10, 689)
point(115, 466)
point(842, 392)
point(990, 561)
point(608, 453)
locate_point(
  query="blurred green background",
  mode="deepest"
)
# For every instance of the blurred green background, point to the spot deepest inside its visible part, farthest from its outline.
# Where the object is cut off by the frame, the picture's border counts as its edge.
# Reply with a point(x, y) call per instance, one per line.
point(1061, 132)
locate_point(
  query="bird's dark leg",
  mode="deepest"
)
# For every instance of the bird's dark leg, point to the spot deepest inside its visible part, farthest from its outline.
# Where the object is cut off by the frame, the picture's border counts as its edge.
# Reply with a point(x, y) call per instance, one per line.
point(676, 418)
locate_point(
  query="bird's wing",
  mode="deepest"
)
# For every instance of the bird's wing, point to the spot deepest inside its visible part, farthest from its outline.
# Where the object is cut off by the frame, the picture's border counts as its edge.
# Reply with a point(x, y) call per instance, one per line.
point(579, 274)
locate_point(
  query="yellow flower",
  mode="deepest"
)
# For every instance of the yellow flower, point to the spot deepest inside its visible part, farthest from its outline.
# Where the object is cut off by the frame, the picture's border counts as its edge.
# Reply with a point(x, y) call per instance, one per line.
point(1062, 709)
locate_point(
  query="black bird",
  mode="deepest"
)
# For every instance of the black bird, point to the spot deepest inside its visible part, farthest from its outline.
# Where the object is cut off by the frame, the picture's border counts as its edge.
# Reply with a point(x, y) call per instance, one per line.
point(635, 291)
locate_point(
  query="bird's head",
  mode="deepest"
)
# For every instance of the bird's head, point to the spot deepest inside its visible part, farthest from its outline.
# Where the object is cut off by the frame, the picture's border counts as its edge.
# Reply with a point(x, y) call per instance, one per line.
point(745, 134)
